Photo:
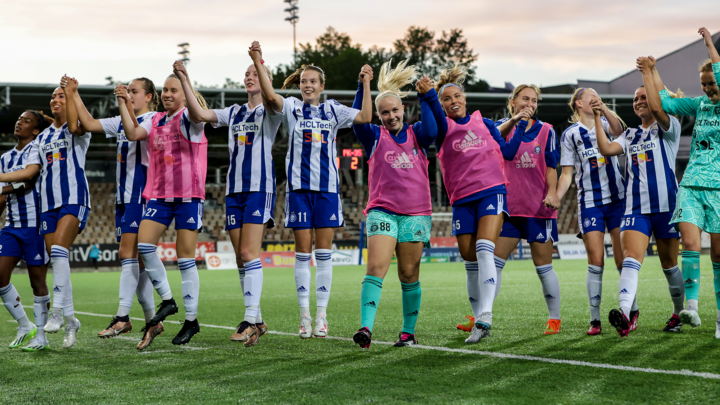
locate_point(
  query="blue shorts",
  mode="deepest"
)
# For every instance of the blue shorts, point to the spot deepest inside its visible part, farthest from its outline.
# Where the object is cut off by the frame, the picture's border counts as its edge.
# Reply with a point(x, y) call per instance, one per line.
point(538, 230)
point(305, 209)
point(466, 216)
point(649, 224)
point(187, 215)
point(49, 219)
point(601, 217)
point(127, 218)
point(24, 243)
point(249, 208)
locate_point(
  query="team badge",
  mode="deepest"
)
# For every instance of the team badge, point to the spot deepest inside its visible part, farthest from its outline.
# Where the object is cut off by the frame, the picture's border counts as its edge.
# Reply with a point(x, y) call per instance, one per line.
point(415, 152)
point(329, 115)
point(717, 110)
point(586, 223)
point(373, 228)
point(293, 218)
point(259, 112)
point(537, 149)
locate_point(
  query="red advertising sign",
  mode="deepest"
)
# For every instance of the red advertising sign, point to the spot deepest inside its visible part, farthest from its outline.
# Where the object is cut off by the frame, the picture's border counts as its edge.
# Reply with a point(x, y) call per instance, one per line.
point(167, 252)
point(443, 241)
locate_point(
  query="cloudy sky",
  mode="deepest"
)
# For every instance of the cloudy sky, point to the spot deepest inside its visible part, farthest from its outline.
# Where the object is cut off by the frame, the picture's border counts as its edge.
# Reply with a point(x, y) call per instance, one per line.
point(544, 42)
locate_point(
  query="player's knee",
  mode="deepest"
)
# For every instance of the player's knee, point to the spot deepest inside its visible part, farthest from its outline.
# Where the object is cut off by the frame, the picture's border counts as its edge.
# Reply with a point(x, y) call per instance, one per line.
point(126, 253)
point(667, 262)
point(247, 255)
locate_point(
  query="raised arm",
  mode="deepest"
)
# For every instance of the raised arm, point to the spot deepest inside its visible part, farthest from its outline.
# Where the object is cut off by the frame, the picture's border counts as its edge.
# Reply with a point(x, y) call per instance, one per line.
point(274, 100)
point(70, 88)
point(651, 79)
point(508, 125)
point(195, 111)
point(364, 132)
point(714, 56)
point(86, 120)
point(127, 116)
point(365, 114)
point(427, 129)
point(606, 147)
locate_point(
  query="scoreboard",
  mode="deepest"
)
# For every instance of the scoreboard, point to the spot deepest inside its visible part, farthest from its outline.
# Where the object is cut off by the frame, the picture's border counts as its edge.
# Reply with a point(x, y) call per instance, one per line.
point(350, 159)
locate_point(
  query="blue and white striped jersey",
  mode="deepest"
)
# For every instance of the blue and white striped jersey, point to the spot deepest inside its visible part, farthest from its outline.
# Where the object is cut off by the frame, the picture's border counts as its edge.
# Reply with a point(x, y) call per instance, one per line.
point(251, 133)
point(310, 162)
point(598, 178)
point(62, 156)
point(650, 167)
point(132, 161)
point(23, 209)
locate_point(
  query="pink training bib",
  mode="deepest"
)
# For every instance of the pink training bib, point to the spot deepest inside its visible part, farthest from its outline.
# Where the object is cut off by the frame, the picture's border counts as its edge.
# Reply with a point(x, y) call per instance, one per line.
point(470, 158)
point(527, 187)
point(398, 178)
point(177, 166)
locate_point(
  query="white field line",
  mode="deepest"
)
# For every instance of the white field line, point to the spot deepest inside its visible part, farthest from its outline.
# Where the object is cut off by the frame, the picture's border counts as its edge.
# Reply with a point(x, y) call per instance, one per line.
point(687, 373)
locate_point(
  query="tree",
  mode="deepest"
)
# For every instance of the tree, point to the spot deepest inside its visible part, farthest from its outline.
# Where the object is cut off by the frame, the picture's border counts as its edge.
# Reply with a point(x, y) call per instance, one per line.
point(341, 60)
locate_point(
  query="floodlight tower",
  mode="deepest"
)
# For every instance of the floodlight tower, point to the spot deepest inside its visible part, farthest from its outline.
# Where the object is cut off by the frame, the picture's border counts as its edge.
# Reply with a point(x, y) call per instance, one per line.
point(293, 19)
point(184, 52)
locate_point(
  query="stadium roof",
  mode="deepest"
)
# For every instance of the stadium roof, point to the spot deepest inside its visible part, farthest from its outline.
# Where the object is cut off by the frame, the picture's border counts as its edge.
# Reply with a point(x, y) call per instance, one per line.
point(678, 69)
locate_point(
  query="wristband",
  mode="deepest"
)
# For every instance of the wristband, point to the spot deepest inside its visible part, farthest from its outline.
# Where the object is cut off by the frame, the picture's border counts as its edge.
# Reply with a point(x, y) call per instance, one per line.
point(17, 186)
point(262, 61)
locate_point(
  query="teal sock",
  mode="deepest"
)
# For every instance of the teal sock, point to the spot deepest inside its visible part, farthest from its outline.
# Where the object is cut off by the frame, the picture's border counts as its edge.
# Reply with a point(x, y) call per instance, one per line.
point(716, 273)
point(411, 297)
point(369, 300)
point(691, 274)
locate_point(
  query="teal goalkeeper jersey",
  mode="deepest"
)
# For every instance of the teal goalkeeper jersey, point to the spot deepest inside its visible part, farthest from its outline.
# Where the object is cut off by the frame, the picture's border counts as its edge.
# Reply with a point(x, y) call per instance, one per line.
point(703, 169)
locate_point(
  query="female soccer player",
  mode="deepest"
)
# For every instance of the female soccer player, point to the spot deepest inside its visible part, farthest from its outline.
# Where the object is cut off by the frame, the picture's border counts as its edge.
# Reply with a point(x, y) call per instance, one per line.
point(312, 202)
point(250, 190)
point(471, 152)
point(399, 207)
point(531, 199)
point(64, 199)
point(600, 188)
point(698, 200)
point(20, 239)
point(131, 170)
point(651, 186)
point(175, 189)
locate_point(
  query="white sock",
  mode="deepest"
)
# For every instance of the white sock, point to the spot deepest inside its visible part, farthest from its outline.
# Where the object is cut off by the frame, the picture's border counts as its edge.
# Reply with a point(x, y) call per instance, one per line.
point(677, 288)
point(323, 276)
point(551, 289)
point(40, 310)
point(473, 288)
point(190, 286)
point(593, 283)
point(302, 279)
point(129, 278)
point(321, 312)
point(155, 269)
point(634, 306)
point(11, 299)
point(499, 266)
point(487, 275)
point(628, 284)
point(692, 304)
point(145, 295)
point(62, 287)
point(252, 290)
point(258, 317)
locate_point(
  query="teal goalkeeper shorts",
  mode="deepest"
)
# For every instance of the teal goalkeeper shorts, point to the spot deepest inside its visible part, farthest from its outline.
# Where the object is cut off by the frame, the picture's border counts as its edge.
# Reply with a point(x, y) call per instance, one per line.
point(404, 228)
point(699, 206)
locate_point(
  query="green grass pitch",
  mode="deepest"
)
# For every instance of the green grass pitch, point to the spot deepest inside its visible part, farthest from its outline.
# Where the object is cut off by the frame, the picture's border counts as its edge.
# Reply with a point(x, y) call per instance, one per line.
point(285, 369)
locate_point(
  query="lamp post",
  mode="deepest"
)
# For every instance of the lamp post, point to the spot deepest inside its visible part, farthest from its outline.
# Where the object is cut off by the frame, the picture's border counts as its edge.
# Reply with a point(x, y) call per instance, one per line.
point(184, 52)
point(293, 18)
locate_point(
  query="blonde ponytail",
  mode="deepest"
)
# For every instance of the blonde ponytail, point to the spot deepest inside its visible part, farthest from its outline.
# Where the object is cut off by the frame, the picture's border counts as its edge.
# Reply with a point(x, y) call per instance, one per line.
point(451, 77)
point(391, 80)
